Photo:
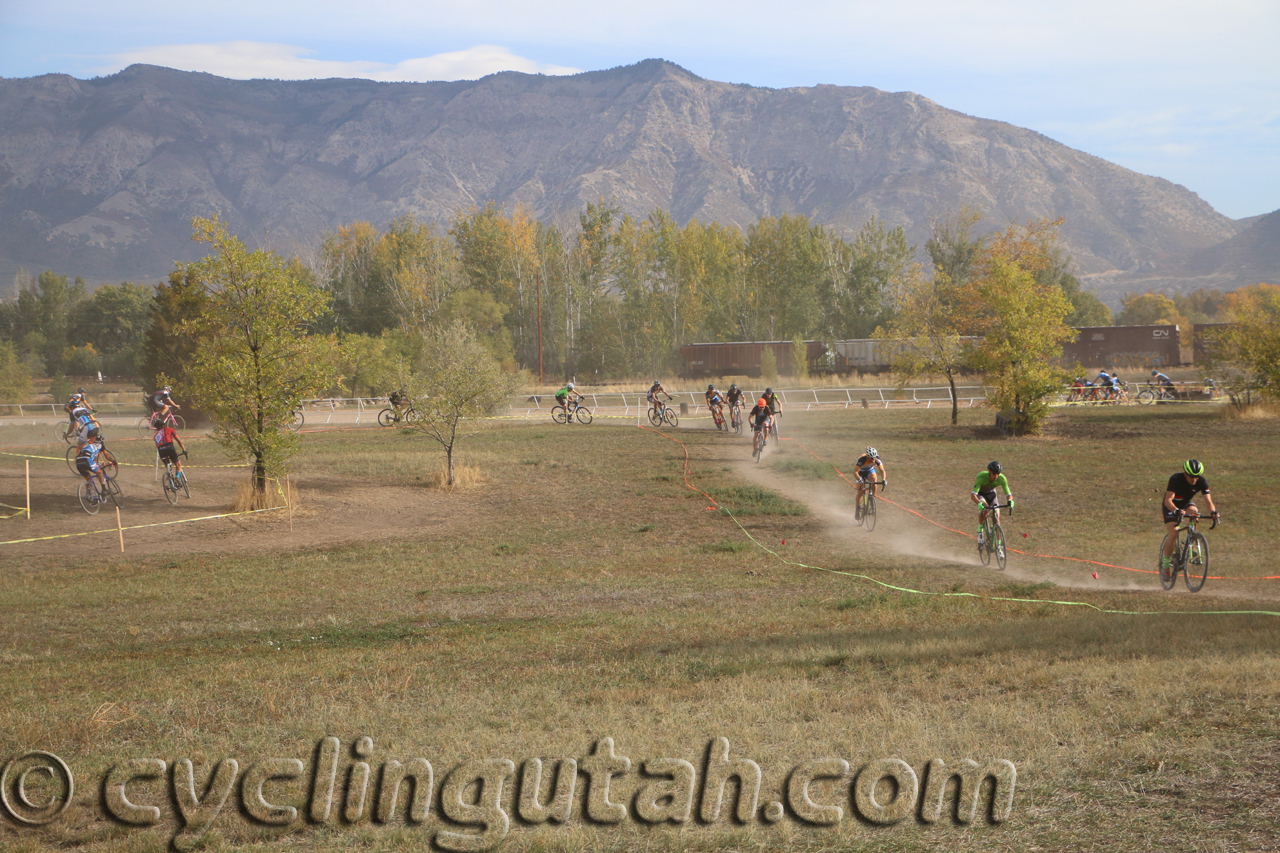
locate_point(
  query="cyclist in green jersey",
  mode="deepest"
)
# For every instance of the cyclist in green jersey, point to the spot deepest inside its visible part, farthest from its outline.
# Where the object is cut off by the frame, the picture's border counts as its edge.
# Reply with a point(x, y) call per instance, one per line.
point(565, 397)
point(984, 492)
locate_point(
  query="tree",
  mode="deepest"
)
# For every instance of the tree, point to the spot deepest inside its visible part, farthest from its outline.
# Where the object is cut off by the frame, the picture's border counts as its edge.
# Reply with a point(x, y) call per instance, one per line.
point(457, 380)
point(256, 361)
point(114, 322)
point(799, 358)
point(15, 377)
point(925, 333)
point(170, 343)
point(1020, 318)
point(953, 248)
point(1086, 309)
point(1252, 340)
point(1150, 309)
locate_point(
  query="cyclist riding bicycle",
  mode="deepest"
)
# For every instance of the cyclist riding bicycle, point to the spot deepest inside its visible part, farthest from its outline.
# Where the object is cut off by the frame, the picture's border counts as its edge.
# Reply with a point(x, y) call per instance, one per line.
point(399, 399)
point(984, 492)
point(88, 430)
point(1107, 383)
point(76, 401)
point(1165, 383)
point(565, 396)
point(761, 416)
point(87, 463)
point(716, 404)
point(164, 438)
point(654, 391)
point(1179, 492)
point(735, 396)
point(161, 405)
point(868, 463)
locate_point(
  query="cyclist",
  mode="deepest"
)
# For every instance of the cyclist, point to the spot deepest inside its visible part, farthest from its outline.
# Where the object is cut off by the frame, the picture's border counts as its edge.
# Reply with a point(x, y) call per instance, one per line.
point(984, 492)
point(775, 408)
point(88, 430)
point(868, 463)
point(399, 399)
point(76, 401)
point(761, 417)
point(1179, 492)
point(162, 403)
point(164, 438)
point(735, 397)
point(652, 396)
point(87, 464)
point(563, 398)
point(1165, 383)
point(1107, 383)
point(716, 404)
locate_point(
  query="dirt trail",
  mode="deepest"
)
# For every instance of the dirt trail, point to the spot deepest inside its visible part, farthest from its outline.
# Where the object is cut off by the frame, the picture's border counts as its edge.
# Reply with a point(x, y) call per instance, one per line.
point(899, 532)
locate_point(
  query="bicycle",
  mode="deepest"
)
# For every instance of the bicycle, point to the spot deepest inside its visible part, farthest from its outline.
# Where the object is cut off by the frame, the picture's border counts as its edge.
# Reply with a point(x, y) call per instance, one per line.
point(394, 415)
point(1190, 555)
point(174, 481)
point(660, 413)
point(735, 418)
point(1152, 393)
point(152, 422)
point(866, 514)
point(717, 416)
point(758, 441)
point(992, 539)
point(566, 413)
point(296, 420)
point(93, 496)
point(72, 429)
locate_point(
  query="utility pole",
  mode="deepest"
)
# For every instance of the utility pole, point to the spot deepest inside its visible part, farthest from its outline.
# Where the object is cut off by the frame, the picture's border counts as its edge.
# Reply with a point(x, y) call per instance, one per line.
point(537, 283)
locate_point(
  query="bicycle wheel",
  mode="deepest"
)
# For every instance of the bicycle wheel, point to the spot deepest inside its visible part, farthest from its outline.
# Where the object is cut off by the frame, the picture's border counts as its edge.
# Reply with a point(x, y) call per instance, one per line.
point(113, 492)
point(386, 417)
point(69, 435)
point(1146, 398)
point(71, 459)
point(88, 498)
point(411, 416)
point(186, 486)
point(997, 545)
point(298, 419)
point(179, 424)
point(984, 547)
point(737, 422)
point(1197, 565)
point(584, 415)
point(170, 487)
point(869, 512)
point(670, 417)
point(110, 467)
point(655, 416)
point(1169, 576)
point(143, 426)
point(755, 446)
point(773, 433)
point(559, 415)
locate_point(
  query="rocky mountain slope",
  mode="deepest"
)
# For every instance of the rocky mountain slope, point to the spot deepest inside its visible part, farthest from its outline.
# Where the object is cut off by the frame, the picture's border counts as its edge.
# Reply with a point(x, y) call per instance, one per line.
point(101, 177)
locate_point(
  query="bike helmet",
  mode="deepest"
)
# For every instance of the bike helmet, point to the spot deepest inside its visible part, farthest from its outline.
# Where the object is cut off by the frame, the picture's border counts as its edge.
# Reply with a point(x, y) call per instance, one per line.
point(733, 386)
point(711, 387)
point(1193, 467)
point(81, 391)
point(871, 451)
point(762, 403)
point(570, 386)
point(768, 391)
point(994, 467)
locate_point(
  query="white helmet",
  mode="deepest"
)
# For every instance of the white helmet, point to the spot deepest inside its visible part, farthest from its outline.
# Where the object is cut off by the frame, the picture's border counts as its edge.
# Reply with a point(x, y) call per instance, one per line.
point(570, 386)
point(871, 451)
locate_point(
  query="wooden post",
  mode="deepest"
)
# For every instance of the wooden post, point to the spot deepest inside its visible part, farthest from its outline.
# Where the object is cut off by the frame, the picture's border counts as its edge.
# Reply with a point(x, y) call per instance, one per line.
point(120, 530)
point(288, 499)
point(28, 461)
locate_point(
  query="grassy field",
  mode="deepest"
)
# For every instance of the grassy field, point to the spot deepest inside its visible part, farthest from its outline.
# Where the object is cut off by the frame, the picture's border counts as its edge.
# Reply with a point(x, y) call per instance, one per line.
point(585, 591)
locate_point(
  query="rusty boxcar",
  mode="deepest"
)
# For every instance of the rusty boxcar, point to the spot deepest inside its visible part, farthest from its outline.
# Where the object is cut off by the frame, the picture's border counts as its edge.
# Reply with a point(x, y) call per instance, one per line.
point(1124, 346)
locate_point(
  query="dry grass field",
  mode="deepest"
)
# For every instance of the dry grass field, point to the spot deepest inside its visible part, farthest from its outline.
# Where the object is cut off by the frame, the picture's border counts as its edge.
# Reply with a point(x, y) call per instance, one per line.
point(578, 589)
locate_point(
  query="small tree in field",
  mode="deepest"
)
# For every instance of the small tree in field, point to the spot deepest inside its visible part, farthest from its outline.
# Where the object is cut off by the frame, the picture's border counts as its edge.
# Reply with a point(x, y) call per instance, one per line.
point(254, 362)
point(458, 380)
point(925, 333)
point(799, 358)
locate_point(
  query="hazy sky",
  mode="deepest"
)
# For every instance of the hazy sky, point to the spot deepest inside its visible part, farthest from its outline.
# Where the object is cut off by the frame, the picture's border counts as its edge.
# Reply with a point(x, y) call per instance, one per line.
point(1188, 90)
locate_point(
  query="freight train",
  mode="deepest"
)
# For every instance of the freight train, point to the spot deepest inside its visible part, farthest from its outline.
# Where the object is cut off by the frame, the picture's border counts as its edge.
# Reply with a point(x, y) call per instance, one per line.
point(1129, 347)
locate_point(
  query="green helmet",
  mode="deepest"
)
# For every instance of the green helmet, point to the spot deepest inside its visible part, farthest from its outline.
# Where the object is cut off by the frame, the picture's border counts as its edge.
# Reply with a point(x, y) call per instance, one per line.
point(1193, 467)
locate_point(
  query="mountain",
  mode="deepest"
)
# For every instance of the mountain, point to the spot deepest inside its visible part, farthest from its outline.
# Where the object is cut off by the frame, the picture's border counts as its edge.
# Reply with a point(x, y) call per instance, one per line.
point(101, 177)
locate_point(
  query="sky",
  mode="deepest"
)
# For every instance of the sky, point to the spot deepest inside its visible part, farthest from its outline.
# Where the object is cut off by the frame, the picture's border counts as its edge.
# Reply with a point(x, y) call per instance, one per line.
point(1187, 90)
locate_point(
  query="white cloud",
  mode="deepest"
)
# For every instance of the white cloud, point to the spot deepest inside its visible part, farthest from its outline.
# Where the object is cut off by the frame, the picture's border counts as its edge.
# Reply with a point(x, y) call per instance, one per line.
point(247, 60)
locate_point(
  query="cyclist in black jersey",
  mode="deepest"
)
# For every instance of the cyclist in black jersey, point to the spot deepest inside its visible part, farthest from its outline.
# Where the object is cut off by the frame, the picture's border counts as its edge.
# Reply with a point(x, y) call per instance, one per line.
point(1179, 492)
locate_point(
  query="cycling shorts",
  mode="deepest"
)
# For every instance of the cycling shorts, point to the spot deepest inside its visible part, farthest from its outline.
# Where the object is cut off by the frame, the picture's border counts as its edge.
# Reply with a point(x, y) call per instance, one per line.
point(168, 454)
point(84, 468)
point(1173, 516)
point(864, 474)
point(988, 496)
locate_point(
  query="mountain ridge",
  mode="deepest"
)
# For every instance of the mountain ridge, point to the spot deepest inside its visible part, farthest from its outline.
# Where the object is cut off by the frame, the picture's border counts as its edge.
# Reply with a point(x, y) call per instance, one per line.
point(101, 177)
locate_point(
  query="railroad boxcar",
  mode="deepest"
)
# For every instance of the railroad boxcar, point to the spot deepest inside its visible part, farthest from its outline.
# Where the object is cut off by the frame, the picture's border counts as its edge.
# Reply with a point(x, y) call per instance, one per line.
point(1124, 346)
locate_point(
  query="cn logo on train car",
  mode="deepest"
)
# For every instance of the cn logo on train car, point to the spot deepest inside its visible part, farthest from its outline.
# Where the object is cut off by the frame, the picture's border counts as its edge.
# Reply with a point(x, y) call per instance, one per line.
point(1159, 333)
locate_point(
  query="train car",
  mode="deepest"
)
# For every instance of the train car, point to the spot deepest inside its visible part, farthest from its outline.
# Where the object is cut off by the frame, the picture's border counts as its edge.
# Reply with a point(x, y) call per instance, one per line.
point(1202, 338)
point(742, 358)
point(1124, 346)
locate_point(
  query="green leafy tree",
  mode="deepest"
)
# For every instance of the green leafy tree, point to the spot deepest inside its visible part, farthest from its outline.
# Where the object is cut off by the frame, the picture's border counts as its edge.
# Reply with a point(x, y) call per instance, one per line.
point(799, 358)
point(1150, 309)
point(15, 376)
point(114, 322)
point(1086, 309)
point(953, 248)
point(170, 342)
point(925, 333)
point(368, 366)
point(1021, 318)
point(769, 364)
point(1251, 343)
point(457, 382)
point(256, 361)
